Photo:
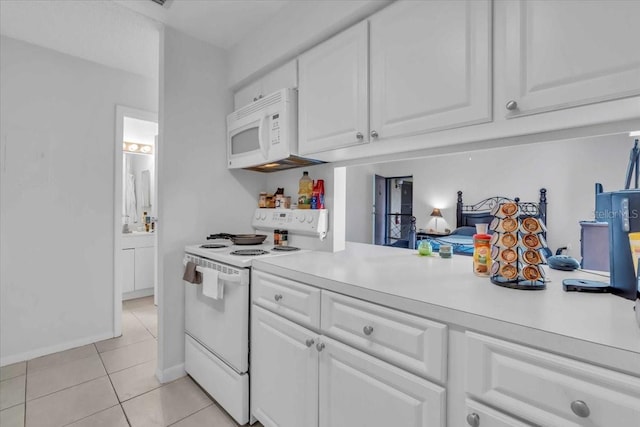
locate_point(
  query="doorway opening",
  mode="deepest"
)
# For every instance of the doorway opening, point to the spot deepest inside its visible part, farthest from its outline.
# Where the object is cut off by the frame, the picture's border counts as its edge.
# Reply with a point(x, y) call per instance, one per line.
point(135, 208)
point(394, 223)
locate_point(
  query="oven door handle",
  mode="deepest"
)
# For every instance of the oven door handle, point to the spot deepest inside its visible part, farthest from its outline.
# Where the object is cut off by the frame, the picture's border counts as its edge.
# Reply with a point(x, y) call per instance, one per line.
point(231, 278)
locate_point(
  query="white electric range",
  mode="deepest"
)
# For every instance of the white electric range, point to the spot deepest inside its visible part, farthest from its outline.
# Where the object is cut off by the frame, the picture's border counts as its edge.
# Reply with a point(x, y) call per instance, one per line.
point(217, 330)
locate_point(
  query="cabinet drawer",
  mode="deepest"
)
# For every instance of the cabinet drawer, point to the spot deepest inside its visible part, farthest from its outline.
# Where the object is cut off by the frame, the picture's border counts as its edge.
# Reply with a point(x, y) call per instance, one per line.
point(547, 389)
point(293, 300)
point(416, 344)
point(482, 416)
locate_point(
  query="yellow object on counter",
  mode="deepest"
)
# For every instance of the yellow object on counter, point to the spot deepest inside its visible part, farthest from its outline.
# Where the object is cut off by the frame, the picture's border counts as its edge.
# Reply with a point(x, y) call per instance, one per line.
point(634, 242)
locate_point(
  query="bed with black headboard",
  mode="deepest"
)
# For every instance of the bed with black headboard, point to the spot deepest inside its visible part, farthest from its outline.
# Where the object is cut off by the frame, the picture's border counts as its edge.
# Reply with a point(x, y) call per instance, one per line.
point(467, 216)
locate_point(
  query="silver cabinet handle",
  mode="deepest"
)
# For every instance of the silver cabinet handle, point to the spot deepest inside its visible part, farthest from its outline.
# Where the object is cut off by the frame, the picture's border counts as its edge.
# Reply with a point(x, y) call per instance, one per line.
point(368, 330)
point(309, 342)
point(580, 408)
point(473, 419)
point(374, 134)
point(511, 105)
point(320, 346)
point(359, 135)
point(277, 297)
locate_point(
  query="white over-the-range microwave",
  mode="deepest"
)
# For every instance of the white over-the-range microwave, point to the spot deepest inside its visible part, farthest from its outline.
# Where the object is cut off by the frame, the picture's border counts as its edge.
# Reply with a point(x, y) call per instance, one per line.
point(263, 135)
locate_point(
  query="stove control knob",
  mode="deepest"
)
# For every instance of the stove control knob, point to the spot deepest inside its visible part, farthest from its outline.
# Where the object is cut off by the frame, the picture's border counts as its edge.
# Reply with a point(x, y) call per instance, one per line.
point(257, 214)
point(300, 217)
point(310, 218)
point(263, 216)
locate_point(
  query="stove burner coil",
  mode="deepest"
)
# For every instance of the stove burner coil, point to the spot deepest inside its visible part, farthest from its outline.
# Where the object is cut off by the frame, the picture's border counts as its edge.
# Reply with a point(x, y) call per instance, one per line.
point(285, 248)
point(249, 252)
point(213, 246)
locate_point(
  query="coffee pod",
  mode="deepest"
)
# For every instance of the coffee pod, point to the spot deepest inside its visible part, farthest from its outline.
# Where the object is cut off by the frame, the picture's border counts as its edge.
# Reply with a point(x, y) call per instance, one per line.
point(504, 225)
point(509, 271)
point(533, 257)
point(508, 255)
point(504, 210)
point(508, 240)
point(495, 252)
point(532, 241)
point(532, 225)
point(532, 272)
point(495, 268)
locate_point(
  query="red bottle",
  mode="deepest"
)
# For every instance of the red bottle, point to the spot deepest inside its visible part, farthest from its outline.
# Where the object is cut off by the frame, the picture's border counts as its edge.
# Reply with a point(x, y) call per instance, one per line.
point(317, 196)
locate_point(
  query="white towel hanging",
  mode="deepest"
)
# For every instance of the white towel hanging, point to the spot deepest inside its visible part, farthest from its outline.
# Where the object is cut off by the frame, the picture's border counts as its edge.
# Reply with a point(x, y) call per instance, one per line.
point(211, 285)
point(130, 199)
point(145, 188)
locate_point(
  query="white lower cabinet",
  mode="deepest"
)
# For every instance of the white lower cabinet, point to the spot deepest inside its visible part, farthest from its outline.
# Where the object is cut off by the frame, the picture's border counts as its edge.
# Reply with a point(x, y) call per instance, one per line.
point(301, 377)
point(144, 274)
point(360, 390)
point(368, 365)
point(128, 270)
point(138, 258)
point(284, 371)
point(547, 389)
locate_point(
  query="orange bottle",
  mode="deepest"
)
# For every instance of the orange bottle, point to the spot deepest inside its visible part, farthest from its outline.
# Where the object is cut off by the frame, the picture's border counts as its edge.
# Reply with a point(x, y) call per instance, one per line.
point(481, 254)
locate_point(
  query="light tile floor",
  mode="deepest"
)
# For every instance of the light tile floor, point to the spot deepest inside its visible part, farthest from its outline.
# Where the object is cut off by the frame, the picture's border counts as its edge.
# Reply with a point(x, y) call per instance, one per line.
point(110, 383)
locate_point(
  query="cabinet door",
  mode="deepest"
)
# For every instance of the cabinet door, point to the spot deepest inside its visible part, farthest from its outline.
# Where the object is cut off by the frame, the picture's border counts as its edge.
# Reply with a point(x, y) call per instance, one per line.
point(285, 76)
point(284, 371)
point(145, 266)
point(430, 66)
point(128, 270)
point(561, 54)
point(359, 390)
point(247, 94)
point(333, 92)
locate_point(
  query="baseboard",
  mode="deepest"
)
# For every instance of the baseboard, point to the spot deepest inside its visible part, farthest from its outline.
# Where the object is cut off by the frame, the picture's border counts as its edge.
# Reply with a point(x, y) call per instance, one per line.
point(43, 351)
point(170, 374)
point(137, 294)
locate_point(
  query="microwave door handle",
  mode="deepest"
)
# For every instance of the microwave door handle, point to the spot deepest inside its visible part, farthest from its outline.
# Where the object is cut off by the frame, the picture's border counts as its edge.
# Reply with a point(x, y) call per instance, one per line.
point(261, 141)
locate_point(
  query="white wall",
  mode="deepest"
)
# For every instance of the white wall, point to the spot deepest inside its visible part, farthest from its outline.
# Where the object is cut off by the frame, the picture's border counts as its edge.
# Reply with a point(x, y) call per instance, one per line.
point(57, 118)
point(567, 169)
point(198, 195)
point(297, 27)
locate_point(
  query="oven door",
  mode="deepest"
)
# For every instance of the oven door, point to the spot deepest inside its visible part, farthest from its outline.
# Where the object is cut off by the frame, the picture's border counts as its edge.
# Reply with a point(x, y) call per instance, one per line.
point(221, 326)
point(248, 141)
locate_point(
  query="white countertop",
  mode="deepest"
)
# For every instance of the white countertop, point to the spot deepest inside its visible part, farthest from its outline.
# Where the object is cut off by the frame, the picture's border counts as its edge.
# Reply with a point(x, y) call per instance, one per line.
point(447, 290)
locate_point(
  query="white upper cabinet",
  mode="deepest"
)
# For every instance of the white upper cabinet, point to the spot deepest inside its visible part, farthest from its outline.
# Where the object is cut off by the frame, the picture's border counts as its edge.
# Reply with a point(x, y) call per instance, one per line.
point(430, 66)
point(560, 54)
point(285, 76)
point(333, 92)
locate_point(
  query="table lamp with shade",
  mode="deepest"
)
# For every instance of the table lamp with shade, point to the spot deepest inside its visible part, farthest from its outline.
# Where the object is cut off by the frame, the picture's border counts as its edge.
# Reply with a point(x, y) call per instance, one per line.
point(436, 214)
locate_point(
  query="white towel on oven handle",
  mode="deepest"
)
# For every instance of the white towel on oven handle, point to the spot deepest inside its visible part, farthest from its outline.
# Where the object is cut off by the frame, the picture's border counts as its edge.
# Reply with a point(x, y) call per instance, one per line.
point(212, 287)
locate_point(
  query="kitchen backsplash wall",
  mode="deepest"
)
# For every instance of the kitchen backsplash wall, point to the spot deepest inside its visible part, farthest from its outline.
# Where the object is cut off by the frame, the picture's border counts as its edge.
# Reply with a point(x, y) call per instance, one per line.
point(567, 169)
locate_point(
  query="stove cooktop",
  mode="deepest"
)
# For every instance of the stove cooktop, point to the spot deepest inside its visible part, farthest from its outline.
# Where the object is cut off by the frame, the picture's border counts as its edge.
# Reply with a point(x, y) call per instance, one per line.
point(249, 252)
point(238, 255)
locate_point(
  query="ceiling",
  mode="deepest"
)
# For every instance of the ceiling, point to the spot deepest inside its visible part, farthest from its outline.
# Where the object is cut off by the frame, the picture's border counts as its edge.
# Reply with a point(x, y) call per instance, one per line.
point(125, 34)
point(222, 23)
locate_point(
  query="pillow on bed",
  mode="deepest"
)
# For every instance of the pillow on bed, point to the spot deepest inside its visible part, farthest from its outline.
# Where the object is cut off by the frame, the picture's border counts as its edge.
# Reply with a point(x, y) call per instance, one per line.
point(464, 231)
point(467, 231)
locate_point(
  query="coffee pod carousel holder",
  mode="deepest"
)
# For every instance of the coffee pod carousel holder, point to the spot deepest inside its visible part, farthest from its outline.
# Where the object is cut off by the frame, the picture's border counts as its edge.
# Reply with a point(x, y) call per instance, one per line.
point(517, 249)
